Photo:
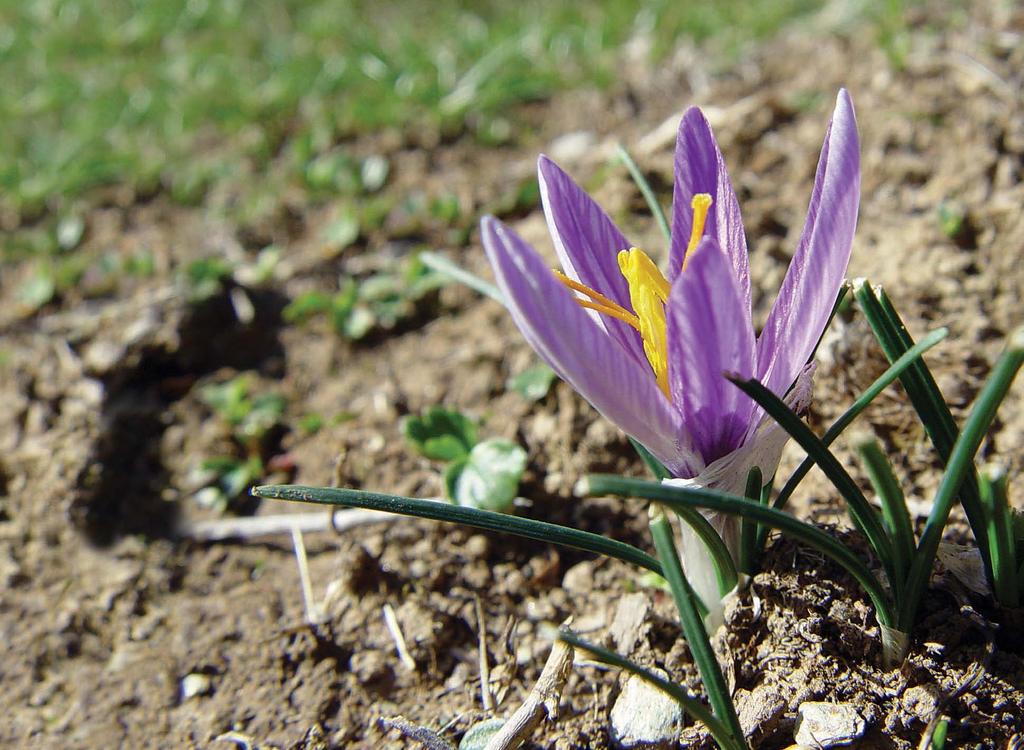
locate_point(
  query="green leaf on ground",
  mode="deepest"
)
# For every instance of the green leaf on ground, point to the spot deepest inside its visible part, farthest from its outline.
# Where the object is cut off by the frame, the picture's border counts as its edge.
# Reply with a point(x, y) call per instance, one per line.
point(441, 434)
point(489, 477)
point(532, 384)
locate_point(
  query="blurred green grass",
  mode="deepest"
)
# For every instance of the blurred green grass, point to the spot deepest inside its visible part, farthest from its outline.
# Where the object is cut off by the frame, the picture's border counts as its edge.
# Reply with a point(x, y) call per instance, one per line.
point(183, 95)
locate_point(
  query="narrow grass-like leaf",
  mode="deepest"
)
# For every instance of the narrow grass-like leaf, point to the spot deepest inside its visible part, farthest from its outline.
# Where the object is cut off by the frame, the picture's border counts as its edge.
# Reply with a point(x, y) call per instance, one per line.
point(749, 530)
point(894, 508)
point(482, 519)
point(693, 624)
point(841, 295)
point(646, 191)
point(444, 266)
point(725, 568)
point(863, 515)
point(697, 497)
point(689, 704)
point(870, 394)
point(1000, 535)
point(926, 398)
point(961, 464)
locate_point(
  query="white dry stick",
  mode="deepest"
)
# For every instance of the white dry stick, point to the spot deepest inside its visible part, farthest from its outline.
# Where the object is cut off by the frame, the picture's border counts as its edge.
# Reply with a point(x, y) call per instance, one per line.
point(244, 741)
point(314, 615)
point(485, 670)
point(396, 635)
point(218, 529)
point(541, 703)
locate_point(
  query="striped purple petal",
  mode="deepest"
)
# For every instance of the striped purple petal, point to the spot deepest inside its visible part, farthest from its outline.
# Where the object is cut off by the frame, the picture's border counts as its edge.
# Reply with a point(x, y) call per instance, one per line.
point(808, 293)
point(580, 352)
point(700, 168)
point(710, 333)
point(588, 244)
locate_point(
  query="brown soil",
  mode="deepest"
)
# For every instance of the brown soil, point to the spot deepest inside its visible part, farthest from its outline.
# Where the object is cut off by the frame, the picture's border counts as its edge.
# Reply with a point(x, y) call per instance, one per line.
point(105, 612)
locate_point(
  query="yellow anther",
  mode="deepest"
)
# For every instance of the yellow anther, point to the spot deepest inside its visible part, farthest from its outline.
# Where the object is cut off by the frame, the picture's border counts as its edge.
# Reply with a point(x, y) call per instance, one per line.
point(700, 204)
point(648, 292)
point(639, 269)
point(600, 303)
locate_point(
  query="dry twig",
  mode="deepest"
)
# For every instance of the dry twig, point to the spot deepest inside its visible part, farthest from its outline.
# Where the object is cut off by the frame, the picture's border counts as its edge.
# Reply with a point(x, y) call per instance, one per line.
point(486, 699)
point(218, 529)
point(396, 635)
point(541, 703)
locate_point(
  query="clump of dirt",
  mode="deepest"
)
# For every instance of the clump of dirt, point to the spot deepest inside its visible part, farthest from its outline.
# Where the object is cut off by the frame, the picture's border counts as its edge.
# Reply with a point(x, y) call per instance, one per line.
point(119, 632)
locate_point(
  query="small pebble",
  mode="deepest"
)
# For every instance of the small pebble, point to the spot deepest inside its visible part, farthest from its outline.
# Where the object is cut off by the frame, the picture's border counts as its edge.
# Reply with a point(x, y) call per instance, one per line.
point(572, 146)
point(195, 684)
point(828, 724)
point(645, 718)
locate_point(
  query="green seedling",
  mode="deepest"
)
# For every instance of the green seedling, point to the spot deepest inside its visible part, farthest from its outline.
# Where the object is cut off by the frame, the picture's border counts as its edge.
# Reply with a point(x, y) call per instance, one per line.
point(532, 383)
point(342, 232)
point(205, 278)
point(334, 172)
point(478, 474)
point(249, 418)
point(377, 303)
point(951, 219)
point(310, 424)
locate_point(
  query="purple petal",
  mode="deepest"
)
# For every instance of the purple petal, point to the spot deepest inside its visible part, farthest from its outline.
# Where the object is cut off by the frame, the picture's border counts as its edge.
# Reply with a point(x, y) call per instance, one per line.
point(582, 354)
point(709, 333)
point(588, 244)
point(812, 282)
point(700, 168)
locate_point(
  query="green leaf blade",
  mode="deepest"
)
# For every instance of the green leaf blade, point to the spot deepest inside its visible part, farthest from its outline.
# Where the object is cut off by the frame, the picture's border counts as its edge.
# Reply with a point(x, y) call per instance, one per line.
point(482, 519)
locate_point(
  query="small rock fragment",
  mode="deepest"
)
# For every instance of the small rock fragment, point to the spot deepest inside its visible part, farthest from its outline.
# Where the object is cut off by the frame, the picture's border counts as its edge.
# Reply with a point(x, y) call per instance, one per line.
point(759, 710)
point(965, 564)
point(645, 718)
point(921, 701)
point(573, 146)
point(630, 616)
point(579, 579)
point(195, 684)
point(828, 724)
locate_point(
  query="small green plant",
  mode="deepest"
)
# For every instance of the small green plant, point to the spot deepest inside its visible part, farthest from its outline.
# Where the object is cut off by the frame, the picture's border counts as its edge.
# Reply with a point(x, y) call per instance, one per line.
point(378, 302)
point(249, 418)
point(532, 383)
point(205, 278)
point(983, 496)
point(478, 474)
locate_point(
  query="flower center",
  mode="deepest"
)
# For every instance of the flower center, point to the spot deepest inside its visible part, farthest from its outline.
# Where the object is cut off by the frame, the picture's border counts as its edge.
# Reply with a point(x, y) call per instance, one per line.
point(648, 293)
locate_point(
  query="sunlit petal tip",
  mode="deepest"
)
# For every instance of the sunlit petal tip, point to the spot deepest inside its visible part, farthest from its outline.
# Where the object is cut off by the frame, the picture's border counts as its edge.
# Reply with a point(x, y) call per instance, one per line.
point(700, 168)
point(809, 290)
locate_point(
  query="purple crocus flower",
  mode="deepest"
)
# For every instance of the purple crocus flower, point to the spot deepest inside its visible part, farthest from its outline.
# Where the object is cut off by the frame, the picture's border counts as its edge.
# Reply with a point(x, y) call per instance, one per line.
point(648, 350)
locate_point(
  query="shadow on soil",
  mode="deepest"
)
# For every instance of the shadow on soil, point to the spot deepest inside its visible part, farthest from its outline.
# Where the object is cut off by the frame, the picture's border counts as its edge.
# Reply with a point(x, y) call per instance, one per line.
point(123, 490)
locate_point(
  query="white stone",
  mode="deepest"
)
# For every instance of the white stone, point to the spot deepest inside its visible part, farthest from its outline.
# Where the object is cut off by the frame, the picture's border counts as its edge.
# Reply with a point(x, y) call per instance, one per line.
point(644, 717)
point(572, 147)
point(829, 724)
point(195, 684)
